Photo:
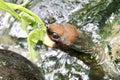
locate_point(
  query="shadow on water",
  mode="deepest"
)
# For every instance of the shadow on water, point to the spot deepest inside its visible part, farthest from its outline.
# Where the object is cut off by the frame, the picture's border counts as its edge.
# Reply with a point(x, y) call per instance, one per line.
point(91, 16)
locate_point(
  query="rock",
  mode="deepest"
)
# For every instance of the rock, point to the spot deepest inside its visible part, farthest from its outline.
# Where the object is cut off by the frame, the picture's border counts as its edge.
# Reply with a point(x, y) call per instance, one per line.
point(15, 67)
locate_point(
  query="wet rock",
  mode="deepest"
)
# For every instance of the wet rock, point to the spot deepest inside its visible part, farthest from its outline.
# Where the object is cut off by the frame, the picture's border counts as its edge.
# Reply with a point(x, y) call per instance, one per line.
point(15, 67)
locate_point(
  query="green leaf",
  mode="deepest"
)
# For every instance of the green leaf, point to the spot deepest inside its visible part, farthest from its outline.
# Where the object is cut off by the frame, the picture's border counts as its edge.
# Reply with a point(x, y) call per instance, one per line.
point(34, 36)
point(32, 52)
point(8, 8)
point(28, 18)
point(24, 25)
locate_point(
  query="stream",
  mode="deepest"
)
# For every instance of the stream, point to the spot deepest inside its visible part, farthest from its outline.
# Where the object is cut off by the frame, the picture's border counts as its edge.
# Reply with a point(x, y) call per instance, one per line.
point(86, 15)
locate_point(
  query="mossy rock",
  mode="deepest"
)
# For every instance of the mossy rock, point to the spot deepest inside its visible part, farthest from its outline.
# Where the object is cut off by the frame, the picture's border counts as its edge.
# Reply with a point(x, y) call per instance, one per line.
point(15, 67)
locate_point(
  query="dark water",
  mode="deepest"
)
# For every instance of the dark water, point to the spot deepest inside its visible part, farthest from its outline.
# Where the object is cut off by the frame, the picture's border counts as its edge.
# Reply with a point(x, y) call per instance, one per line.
point(90, 16)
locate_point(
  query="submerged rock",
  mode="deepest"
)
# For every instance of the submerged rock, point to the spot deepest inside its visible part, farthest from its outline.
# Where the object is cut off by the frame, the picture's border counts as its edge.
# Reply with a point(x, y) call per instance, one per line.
point(15, 67)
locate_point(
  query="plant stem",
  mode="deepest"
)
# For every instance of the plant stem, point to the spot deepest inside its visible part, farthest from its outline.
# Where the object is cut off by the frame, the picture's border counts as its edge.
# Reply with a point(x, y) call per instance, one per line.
point(5, 7)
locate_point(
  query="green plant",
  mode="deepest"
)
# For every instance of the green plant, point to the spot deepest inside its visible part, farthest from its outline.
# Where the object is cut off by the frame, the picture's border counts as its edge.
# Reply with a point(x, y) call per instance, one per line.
point(26, 18)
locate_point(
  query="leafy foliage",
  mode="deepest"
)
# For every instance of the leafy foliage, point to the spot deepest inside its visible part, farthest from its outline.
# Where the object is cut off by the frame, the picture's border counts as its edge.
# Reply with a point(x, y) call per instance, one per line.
point(26, 18)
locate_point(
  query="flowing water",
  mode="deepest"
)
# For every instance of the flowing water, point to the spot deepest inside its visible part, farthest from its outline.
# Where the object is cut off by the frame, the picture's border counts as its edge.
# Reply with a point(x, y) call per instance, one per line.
point(87, 15)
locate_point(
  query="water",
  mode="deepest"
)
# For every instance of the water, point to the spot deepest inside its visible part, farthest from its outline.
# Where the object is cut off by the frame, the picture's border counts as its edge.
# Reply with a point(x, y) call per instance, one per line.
point(55, 64)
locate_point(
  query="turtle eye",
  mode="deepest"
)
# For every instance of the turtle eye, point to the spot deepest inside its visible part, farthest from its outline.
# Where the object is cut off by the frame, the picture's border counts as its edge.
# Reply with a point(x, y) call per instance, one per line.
point(47, 26)
point(55, 36)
